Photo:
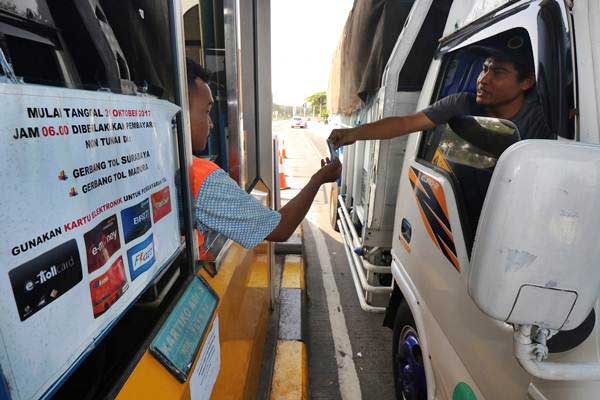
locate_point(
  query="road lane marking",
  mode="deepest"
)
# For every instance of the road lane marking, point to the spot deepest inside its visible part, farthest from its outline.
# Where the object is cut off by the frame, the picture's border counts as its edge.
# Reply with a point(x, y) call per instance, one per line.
point(347, 376)
point(307, 136)
point(321, 157)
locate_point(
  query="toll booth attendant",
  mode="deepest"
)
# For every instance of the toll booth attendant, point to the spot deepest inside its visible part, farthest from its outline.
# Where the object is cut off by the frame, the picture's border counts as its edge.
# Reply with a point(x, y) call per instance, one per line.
point(220, 205)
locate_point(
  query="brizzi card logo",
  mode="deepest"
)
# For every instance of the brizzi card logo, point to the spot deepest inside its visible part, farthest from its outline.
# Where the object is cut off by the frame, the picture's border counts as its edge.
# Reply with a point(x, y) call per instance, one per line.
point(136, 220)
point(161, 204)
point(141, 257)
point(108, 287)
point(102, 242)
point(44, 279)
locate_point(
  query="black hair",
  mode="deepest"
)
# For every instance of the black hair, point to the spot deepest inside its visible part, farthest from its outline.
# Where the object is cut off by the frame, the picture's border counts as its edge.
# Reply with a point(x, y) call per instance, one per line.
point(523, 71)
point(196, 71)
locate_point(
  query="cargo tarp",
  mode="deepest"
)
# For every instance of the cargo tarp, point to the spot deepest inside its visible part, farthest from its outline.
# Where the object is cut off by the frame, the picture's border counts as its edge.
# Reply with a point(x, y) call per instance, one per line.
point(366, 43)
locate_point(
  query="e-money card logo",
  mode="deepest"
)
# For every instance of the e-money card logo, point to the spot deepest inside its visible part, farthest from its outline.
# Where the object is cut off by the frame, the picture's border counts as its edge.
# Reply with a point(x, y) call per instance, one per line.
point(44, 279)
point(101, 243)
point(136, 220)
point(108, 287)
point(141, 257)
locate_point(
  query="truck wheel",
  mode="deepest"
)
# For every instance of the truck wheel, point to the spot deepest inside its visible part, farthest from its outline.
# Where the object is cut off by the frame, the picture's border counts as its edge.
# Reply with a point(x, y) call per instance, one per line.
point(409, 370)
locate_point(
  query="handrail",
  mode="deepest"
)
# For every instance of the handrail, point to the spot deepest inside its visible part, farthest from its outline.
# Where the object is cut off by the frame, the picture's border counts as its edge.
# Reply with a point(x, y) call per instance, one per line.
point(361, 274)
point(356, 242)
point(361, 298)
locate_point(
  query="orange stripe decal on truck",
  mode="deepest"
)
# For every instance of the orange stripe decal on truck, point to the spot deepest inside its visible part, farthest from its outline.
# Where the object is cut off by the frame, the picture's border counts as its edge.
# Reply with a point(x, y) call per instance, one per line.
point(434, 213)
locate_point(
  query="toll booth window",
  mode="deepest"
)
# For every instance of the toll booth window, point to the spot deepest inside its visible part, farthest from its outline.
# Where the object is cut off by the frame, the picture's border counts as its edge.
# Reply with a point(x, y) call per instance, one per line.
point(32, 57)
point(142, 29)
point(205, 44)
point(27, 56)
point(121, 46)
point(79, 44)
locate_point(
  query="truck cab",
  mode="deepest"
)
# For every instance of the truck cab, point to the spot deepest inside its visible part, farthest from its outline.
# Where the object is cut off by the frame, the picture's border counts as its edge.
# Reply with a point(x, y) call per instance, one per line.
point(447, 340)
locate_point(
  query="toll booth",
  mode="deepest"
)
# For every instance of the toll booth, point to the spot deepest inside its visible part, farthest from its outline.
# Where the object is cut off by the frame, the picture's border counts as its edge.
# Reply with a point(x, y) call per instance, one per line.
point(104, 293)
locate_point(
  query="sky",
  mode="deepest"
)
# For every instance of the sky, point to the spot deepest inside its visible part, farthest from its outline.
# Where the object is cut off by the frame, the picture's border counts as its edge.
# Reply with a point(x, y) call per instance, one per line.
point(304, 36)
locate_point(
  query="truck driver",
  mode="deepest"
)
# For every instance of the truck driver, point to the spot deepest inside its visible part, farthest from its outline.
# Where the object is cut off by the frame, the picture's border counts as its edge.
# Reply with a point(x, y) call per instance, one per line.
point(505, 89)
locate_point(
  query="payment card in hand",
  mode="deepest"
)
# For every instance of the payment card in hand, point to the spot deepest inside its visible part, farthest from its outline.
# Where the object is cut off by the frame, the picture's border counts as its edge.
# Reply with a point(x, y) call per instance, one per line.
point(332, 152)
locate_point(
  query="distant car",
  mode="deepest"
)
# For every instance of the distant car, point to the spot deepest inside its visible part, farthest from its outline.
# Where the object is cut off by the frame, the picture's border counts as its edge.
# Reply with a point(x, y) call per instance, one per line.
point(298, 122)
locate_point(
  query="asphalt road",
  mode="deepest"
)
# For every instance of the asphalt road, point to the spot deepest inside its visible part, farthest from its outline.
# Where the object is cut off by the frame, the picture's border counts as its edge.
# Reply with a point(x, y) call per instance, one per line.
point(349, 350)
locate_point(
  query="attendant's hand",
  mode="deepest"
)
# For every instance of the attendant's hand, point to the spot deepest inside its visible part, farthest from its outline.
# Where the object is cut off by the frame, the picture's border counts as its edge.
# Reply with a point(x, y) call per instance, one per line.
point(342, 137)
point(330, 171)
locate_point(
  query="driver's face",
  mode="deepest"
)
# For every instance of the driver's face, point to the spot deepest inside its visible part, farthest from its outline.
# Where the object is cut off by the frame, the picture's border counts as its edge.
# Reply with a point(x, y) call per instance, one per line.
point(498, 83)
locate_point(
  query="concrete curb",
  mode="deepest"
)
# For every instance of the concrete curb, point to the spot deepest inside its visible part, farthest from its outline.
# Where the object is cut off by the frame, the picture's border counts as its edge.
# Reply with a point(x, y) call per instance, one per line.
point(292, 246)
point(290, 373)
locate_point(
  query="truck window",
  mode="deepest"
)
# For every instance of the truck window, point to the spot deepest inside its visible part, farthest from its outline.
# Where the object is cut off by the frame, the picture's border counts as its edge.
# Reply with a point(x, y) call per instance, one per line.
point(469, 168)
point(556, 80)
point(414, 70)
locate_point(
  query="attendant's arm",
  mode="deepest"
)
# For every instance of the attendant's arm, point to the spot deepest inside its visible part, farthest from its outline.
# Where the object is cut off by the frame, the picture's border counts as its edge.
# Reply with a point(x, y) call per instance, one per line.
point(386, 128)
point(295, 210)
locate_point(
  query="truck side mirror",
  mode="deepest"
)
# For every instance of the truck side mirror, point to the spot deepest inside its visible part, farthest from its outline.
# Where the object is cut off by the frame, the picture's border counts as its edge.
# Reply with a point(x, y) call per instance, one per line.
point(536, 256)
point(492, 135)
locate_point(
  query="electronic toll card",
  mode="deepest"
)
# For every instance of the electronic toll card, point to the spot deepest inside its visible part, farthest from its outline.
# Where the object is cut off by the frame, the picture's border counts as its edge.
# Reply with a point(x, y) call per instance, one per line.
point(89, 218)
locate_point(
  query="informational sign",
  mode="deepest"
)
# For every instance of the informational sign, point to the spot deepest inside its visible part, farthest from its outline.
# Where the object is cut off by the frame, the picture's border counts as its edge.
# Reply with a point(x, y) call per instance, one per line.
point(207, 368)
point(89, 218)
point(178, 339)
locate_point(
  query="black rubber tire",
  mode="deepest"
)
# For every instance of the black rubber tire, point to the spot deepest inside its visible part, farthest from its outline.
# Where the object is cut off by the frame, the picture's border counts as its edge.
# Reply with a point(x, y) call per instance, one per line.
point(404, 320)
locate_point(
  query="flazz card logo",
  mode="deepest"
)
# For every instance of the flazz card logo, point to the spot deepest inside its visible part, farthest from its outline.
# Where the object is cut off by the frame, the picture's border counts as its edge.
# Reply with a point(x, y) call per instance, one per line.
point(136, 220)
point(141, 257)
point(102, 242)
point(161, 204)
point(108, 287)
point(44, 279)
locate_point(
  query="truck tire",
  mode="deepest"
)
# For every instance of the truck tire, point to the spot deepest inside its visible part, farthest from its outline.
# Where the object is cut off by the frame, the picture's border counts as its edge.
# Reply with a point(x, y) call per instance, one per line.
point(409, 369)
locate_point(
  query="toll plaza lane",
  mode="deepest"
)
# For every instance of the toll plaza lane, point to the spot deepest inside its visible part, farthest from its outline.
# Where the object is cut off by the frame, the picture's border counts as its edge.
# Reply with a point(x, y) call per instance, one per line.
point(349, 350)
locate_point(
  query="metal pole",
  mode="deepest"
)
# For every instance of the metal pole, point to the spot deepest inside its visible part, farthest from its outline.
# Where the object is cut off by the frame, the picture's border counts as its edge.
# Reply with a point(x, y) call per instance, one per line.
point(184, 144)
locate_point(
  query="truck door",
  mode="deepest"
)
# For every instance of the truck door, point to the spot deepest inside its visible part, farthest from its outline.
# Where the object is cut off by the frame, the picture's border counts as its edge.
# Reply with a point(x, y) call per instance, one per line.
point(441, 194)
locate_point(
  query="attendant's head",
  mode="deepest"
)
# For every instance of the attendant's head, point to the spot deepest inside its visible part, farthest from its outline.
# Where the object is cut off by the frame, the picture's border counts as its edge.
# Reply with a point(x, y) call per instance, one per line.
point(200, 103)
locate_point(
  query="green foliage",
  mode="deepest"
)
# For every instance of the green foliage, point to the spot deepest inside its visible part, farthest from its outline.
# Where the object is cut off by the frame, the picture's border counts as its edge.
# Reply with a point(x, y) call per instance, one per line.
point(282, 112)
point(315, 106)
point(318, 102)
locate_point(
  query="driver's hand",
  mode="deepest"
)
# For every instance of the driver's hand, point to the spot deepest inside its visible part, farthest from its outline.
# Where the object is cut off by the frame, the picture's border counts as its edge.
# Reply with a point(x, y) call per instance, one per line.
point(341, 137)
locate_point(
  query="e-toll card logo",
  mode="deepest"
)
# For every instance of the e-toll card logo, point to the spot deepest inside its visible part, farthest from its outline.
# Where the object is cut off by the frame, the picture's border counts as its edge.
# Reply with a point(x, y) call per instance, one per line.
point(141, 257)
point(136, 220)
point(101, 243)
point(44, 279)
point(161, 204)
point(108, 287)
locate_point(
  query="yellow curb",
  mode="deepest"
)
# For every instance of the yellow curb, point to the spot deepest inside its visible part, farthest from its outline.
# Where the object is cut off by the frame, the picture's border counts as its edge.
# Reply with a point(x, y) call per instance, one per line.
point(259, 275)
point(293, 272)
point(290, 376)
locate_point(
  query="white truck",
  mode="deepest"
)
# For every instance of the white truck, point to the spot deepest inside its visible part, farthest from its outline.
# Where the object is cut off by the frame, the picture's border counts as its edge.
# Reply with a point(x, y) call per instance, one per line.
point(495, 285)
